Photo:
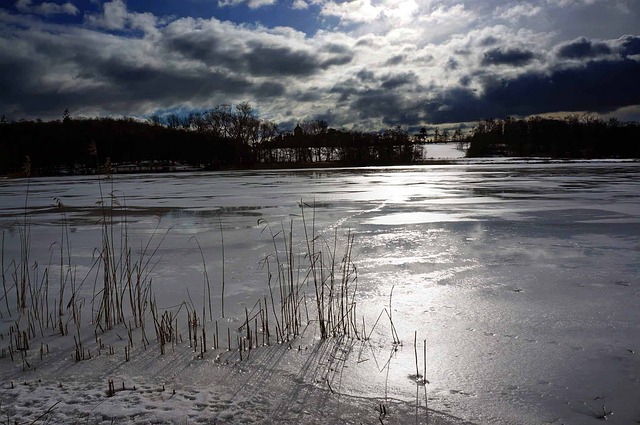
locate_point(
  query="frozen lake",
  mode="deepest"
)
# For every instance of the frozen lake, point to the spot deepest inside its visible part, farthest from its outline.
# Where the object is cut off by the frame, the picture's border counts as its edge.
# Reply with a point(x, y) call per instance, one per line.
point(523, 277)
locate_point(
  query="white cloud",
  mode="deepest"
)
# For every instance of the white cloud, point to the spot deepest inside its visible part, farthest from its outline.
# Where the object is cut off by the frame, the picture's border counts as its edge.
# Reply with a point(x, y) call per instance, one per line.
point(353, 11)
point(252, 4)
point(444, 15)
point(439, 23)
point(521, 10)
point(397, 11)
point(570, 3)
point(115, 16)
point(300, 5)
point(47, 8)
point(401, 12)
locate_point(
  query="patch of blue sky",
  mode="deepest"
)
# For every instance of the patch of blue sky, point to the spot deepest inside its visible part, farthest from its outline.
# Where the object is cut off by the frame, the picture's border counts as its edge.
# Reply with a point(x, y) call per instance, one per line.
point(280, 14)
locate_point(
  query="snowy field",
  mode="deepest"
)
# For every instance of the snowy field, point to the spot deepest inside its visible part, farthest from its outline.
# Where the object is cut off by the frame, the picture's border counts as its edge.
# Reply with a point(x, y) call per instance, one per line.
point(521, 276)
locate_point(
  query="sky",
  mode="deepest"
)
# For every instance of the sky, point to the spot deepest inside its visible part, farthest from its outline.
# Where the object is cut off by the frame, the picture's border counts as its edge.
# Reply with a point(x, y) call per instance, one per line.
point(361, 64)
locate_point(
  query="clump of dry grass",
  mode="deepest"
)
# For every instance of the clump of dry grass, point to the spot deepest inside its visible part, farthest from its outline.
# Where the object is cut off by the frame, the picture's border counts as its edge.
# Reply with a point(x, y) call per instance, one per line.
point(312, 283)
point(332, 278)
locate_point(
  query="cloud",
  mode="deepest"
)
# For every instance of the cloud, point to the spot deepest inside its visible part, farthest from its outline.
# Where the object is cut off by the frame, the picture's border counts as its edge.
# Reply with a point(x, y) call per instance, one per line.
point(599, 86)
point(596, 86)
point(393, 82)
point(395, 60)
point(252, 52)
point(353, 11)
point(252, 4)
point(443, 14)
point(512, 57)
point(548, 83)
point(488, 41)
point(436, 62)
point(582, 48)
point(571, 3)
point(518, 11)
point(270, 61)
point(185, 63)
point(95, 73)
point(629, 45)
point(115, 16)
point(389, 108)
point(300, 5)
point(47, 8)
point(438, 22)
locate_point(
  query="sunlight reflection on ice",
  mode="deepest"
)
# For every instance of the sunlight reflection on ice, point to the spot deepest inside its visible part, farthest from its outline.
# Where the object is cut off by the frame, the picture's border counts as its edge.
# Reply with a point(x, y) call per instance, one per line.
point(416, 218)
point(521, 277)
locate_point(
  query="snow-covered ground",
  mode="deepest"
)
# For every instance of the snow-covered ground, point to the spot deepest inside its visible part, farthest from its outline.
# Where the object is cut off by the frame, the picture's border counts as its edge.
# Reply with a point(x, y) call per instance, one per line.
point(521, 276)
point(443, 151)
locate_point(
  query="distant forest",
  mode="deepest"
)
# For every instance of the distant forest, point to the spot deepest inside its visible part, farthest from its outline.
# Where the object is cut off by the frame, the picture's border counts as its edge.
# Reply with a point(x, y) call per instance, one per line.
point(221, 138)
point(234, 137)
point(577, 137)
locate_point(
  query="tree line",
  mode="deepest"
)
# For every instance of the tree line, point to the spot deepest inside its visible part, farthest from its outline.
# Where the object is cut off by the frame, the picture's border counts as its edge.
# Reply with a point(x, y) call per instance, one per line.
point(570, 137)
point(223, 137)
point(229, 136)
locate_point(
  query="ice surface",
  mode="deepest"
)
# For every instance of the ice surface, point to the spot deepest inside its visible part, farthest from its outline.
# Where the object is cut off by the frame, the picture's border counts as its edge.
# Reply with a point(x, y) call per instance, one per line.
point(522, 276)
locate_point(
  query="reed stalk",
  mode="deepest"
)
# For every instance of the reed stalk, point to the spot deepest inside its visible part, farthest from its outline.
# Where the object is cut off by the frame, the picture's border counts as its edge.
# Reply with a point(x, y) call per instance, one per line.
point(206, 286)
point(4, 278)
point(223, 261)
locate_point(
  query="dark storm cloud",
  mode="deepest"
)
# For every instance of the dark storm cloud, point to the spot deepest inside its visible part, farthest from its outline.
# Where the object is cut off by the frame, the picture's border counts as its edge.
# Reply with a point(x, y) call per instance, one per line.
point(336, 61)
point(268, 89)
point(267, 60)
point(339, 54)
point(395, 60)
point(198, 46)
point(366, 75)
point(390, 106)
point(393, 82)
point(346, 89)
point(583, 48)
point(112, 82)
point(629, 45)
point(488, 41)
point(454, 105)
point(194, 62)
point(598, 86)
point(17, 77)
point(452, 64)
point(512, 57)
point(465, 80)
point(305, 95)
point(253, 57)
point(23, 80)
point(337, 49)
point(374, 84)
point(155, 83)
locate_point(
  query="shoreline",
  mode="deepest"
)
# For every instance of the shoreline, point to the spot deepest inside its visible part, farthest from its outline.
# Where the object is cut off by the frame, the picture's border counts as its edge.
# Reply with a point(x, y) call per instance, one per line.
point(340, 165)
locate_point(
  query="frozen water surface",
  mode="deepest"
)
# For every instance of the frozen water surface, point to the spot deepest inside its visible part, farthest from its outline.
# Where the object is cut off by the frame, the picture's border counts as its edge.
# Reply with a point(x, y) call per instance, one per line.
point(523, 277)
